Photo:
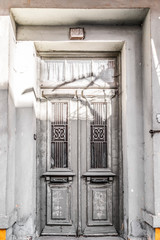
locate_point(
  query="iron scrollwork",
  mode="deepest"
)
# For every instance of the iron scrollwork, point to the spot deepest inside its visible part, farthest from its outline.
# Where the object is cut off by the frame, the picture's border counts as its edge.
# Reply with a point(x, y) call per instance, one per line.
point(59, 133)
point(98, 133)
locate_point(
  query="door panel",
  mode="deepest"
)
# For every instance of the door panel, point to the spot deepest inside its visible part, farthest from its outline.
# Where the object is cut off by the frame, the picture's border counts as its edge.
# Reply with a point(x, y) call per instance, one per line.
point(98, 184)
point(58, 204)
point(100, 211)
point(61, 175)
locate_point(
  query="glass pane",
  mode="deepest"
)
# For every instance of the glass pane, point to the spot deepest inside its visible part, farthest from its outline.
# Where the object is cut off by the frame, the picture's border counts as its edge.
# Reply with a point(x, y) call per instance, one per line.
point(98, 128)
point(59, 136)
point(102, 70)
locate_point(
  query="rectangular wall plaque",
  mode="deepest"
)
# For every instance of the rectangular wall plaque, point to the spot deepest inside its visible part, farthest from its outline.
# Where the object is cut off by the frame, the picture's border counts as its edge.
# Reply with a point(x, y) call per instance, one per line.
point(76, 33)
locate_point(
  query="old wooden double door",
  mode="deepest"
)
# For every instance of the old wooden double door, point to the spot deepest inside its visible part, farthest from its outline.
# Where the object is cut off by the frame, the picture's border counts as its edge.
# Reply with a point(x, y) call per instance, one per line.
point(79, 192)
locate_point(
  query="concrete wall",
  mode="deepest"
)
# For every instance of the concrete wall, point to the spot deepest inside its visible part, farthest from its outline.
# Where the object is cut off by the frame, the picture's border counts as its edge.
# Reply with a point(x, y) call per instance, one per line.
point(24, 88)
point(101, 4)
point(140, 106)
point(155, 47)
point(8, 120)
point(147, 110)
point(24, 79)
point(25, 173)
point(151, 107)
point(13, 82)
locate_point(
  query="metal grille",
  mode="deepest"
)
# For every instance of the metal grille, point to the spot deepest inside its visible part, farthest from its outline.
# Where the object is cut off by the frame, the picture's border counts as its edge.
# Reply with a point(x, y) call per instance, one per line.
point(98, 128)
point(59, 135)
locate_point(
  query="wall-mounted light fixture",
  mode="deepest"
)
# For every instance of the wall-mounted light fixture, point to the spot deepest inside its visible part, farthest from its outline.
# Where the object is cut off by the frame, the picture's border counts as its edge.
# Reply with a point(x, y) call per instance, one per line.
point(76, 33)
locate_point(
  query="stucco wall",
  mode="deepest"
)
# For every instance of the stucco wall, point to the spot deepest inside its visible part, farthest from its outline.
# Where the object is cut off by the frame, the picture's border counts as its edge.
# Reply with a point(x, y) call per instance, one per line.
point(8, 128)
point(140, 105)
point(25, 174)
point(6, 5)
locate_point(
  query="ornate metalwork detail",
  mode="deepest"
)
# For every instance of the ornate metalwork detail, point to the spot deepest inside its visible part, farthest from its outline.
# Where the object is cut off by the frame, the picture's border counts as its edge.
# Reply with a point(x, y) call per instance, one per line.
point(59, 133)
point(98, 133)
point(99, 136)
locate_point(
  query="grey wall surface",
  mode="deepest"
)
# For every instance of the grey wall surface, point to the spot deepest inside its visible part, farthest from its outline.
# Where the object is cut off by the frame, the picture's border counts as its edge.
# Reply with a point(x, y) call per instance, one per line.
point(4, 148)
point(155, 47)
point(147, 109)
point(140, 105)
point(25, 173)
point(8, 120)
point(132, 129)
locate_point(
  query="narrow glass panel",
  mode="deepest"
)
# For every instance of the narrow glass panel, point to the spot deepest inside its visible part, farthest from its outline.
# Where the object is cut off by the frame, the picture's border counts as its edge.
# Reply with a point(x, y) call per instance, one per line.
point(59, 135)
point(98, 130)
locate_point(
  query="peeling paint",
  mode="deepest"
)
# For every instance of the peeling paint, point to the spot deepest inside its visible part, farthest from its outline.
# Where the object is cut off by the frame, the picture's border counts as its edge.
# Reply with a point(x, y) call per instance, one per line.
point(24, 229)
point(137, 228)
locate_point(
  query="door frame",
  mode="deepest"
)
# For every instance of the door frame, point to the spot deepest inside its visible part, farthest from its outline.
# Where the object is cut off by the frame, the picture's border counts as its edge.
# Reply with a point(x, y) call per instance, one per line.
point(43, 115)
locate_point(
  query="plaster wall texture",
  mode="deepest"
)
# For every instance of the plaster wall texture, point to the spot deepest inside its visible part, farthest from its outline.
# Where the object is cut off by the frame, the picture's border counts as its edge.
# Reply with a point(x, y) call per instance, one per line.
point(11, 80)
point(151, 86)
point(4, 149)
point(11, 126)
point(24, 87)
point(24, 77)
point(124, 143)
point(132, 113)
point(11, 156)
point(155, 47)
point(132, 117)
point(148, 123)
point(4, 49)
point(147, 109)
point(6, 5)
point(8, 118)
point(25, 173)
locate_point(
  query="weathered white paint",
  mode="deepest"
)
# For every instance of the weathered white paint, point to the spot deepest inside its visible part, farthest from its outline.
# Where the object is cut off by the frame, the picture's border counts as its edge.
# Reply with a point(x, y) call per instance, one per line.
point(135, 128)
point(8, 120)
point(4, 49)
point(3, 149)
point(23, 82)
point(155, 27)
point(53, 16)
point(147, 110)
point(45, 48)
point(25, 188)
